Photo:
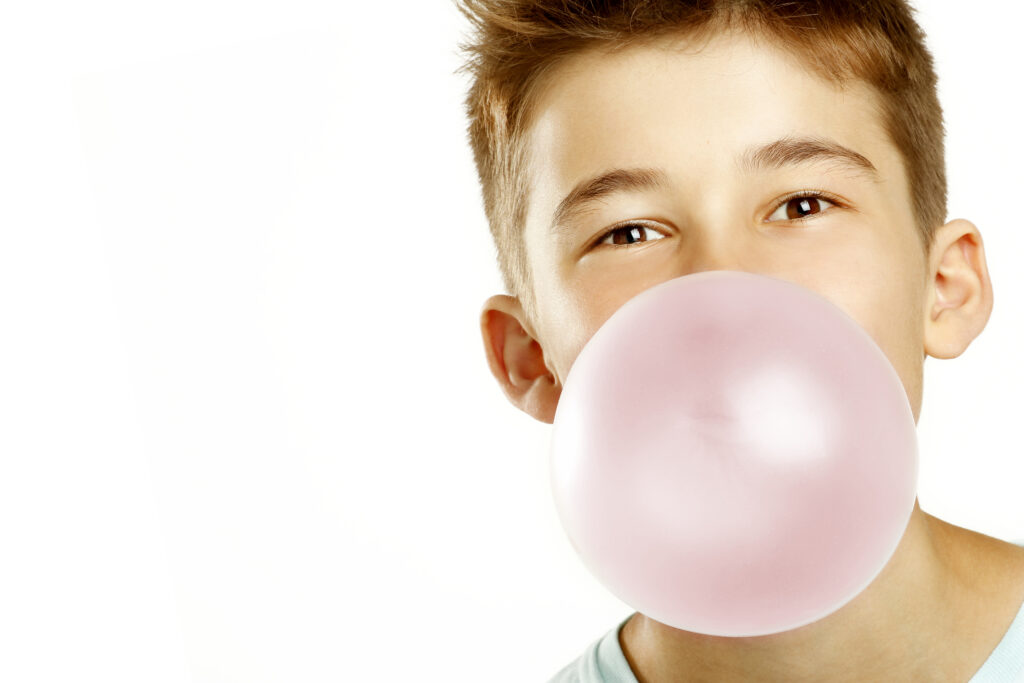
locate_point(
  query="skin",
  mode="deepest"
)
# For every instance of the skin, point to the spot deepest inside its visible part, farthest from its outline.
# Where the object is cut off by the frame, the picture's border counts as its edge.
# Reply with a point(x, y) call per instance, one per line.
point(691, 111)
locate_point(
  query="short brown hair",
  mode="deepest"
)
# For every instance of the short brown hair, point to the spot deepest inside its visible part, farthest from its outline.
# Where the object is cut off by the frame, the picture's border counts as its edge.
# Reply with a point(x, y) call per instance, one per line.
point(515, 42)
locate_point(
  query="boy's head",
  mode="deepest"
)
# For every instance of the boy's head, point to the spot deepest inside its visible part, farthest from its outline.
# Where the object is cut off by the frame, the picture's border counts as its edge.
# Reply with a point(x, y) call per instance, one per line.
point(621, 144)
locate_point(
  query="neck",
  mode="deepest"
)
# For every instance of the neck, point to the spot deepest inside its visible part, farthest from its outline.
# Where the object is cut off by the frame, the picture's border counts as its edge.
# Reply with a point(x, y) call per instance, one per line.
point(901, 627)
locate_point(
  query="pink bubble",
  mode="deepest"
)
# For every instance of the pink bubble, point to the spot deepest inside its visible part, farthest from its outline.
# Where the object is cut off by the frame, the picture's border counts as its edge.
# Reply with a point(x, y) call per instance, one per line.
point(733, 455)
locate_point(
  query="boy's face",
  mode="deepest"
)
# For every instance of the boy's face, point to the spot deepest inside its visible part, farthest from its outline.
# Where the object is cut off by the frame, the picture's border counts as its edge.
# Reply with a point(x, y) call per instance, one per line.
point(736, 140)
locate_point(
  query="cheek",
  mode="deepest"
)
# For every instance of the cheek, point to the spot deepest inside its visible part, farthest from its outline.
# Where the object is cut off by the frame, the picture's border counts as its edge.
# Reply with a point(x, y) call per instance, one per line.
point(598, 287)
point(573, 303)
point(884, 300)
point(572, 316)
point(563, 319)
point(571, 311)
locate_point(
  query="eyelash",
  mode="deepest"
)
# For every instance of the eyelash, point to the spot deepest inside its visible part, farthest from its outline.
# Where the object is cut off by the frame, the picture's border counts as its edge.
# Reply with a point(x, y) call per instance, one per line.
point(800, 194)
point(818, 194)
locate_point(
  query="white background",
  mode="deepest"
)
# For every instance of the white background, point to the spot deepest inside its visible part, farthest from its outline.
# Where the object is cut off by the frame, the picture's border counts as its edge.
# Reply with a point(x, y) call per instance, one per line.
point(246, 428)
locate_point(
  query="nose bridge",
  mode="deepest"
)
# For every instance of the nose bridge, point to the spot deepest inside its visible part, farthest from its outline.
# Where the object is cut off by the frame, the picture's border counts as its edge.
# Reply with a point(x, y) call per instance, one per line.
point(715, 234)
point(721, 243)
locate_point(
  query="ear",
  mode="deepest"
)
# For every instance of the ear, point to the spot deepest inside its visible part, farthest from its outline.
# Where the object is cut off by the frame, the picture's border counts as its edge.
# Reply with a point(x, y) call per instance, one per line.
point(959, 294)
point(517, 359)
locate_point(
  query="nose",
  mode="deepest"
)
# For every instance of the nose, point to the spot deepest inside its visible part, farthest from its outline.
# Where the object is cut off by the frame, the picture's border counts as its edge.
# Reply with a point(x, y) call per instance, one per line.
point(725, 249)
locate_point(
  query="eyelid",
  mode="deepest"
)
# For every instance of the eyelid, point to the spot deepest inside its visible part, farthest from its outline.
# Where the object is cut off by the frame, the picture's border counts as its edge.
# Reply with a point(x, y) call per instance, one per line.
point(781, 201)
point(597, 241)
point(820, 194)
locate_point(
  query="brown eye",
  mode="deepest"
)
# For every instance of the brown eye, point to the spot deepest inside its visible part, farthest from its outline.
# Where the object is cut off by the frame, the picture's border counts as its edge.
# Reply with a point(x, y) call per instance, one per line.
point(800, 206)
point(630, 234)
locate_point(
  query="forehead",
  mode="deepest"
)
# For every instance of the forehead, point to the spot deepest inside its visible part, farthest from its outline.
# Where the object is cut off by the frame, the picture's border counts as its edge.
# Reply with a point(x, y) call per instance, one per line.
point(691, 109)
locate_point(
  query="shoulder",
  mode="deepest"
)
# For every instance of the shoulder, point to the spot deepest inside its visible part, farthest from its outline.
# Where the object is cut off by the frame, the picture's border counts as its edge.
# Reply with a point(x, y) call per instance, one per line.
point(1006, 660)
point(988, 564)
point(602, 662)
point(1012, 556)
point(583, 669)
point(570, 673)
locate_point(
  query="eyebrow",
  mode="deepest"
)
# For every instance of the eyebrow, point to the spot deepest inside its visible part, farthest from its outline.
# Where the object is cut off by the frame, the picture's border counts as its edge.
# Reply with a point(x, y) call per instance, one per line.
point(787, 151)
point(790, 151)
point(589, 192)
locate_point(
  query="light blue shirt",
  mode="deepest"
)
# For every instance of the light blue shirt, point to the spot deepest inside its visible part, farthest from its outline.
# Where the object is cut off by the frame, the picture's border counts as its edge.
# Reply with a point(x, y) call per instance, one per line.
point(604, 662)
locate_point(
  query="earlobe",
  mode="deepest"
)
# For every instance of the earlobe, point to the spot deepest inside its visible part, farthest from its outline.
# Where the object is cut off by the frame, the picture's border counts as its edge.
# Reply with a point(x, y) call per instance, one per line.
point(516, 358)
point(960, 297)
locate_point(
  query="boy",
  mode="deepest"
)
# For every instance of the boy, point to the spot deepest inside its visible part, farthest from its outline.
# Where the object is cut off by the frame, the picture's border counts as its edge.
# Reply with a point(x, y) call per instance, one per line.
point(623, 144)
